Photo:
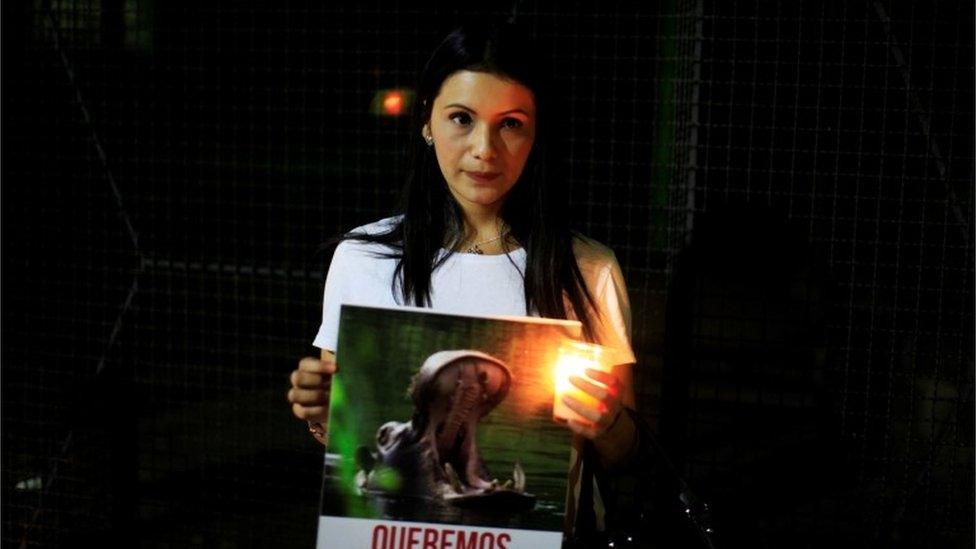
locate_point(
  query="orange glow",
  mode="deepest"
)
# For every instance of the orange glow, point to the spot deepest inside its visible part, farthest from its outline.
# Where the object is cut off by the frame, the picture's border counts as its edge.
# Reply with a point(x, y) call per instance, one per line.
point(393, 103)
point(573, 360)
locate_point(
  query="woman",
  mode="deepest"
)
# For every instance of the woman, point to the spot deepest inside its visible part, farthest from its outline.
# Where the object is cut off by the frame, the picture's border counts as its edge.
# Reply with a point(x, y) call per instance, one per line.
point(483, 231)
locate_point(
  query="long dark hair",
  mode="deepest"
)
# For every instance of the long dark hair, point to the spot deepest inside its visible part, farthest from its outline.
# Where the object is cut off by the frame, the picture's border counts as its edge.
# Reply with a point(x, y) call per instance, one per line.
point(535, 208)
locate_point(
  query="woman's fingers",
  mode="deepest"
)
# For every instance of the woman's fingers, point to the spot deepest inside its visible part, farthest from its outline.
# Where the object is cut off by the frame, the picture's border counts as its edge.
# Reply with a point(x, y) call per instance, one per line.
point(599, 415)
point(313, 373)
point(587, 412)
point(306, 380)
point(308, 397)
point(315, 414)
point(309, 393)
point(606, 391)
point(609, 380)
point(316, 366)
point(598, 392)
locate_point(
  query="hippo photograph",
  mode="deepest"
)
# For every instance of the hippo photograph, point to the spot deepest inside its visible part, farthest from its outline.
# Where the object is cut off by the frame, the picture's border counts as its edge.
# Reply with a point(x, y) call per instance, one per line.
point(436, 451)
point(446, 419)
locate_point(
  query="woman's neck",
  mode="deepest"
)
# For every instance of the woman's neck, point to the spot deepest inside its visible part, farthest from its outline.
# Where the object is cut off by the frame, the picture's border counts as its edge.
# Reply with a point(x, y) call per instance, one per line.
point(484, 233)
point(479, 226)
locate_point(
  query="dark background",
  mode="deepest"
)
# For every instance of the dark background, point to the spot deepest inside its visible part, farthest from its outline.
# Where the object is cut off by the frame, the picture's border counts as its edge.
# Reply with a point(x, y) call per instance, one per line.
point(789, 189)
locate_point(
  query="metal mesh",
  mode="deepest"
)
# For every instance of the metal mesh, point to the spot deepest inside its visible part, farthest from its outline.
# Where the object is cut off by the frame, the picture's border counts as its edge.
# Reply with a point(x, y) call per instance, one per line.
point(788, 189)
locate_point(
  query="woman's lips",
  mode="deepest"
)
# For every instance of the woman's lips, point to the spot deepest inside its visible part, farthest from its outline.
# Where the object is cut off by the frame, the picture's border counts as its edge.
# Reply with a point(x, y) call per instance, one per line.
point(483, 176)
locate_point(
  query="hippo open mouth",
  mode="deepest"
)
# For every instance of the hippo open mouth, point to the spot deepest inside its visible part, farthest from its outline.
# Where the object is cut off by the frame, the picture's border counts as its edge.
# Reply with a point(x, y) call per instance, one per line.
point(457, 394)
point(436, 453)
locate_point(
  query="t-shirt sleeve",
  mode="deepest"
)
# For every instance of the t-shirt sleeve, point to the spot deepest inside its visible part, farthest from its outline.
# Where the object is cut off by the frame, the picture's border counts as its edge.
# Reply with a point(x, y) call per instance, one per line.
point(614, 327)
point(336, 291)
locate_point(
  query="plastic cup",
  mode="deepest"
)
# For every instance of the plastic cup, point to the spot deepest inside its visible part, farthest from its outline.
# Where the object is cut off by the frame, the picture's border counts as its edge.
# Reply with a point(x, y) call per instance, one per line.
point(573, 359)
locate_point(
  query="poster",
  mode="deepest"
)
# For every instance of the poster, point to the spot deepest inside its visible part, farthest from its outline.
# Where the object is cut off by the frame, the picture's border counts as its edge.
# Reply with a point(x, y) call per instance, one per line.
point(441, 433)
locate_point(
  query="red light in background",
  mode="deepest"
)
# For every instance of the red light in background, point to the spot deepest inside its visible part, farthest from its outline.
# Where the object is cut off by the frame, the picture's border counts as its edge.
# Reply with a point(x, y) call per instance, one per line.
point(392, 103)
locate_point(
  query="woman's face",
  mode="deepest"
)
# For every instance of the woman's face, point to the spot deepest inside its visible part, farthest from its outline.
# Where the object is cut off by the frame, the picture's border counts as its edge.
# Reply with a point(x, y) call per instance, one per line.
point(483, 127)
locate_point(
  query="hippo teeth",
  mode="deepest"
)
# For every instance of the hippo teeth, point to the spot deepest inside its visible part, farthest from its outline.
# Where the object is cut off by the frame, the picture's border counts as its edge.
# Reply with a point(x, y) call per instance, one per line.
point(518, 476)
point(466, 398)
point(453, 479)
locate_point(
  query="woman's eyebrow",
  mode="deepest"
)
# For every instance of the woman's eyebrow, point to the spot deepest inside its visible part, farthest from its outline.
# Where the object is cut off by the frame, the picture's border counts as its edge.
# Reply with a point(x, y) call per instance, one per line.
point(459, 106)
point(469, 109)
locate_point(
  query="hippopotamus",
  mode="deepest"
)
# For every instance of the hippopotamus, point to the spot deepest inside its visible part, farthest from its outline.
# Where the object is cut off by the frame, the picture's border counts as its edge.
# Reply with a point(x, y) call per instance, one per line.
point(435, 454)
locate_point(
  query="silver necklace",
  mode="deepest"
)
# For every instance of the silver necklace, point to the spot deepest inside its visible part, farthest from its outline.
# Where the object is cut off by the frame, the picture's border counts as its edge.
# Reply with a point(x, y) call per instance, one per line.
point(476, 247)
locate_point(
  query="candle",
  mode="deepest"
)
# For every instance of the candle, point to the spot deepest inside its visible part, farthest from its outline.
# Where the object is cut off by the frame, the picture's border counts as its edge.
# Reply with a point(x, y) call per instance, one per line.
point(573, 359)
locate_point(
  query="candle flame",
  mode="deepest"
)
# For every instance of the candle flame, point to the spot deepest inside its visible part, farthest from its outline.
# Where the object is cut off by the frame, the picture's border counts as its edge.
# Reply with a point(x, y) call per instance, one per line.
point(574, 359)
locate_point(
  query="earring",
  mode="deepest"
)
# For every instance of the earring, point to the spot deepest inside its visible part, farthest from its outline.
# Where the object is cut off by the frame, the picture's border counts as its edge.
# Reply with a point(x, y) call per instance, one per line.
point(429, 140)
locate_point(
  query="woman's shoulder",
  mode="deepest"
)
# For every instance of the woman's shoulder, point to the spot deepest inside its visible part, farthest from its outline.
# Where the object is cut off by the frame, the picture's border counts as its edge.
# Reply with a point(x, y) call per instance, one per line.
point(591, 254)
point(381, 226)
point(351, 247)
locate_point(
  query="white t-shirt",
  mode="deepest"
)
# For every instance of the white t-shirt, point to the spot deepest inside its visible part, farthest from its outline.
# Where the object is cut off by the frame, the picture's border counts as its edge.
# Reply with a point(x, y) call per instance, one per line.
point(471, 284)
point(477, 284)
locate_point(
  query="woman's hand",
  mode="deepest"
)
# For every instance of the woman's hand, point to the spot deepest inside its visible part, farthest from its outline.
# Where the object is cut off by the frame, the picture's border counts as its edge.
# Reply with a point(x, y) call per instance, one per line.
point(309, 392)
point(602, 415)
point(607, 424)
